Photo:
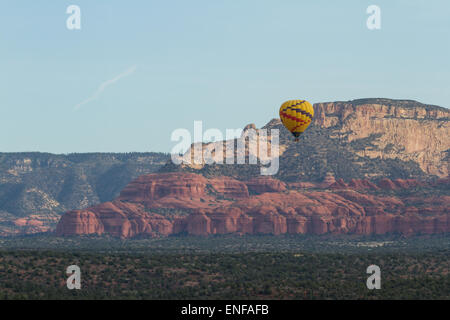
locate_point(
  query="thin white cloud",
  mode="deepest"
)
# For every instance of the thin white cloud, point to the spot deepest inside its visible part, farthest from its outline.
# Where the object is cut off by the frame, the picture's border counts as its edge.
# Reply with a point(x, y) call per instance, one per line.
point(104, 85)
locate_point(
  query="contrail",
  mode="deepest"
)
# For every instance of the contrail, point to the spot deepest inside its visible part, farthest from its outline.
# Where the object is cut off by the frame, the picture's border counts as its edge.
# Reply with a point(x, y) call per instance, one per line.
point(104, 85)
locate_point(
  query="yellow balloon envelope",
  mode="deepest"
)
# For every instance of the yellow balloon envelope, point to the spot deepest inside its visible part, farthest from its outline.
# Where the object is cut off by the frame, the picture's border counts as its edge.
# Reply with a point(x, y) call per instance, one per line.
point(296, 116)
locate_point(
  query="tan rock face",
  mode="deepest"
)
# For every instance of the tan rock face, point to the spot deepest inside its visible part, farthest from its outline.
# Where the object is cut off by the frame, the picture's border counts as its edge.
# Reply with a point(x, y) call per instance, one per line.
point(360, 139)
point(250, 144)
point(407, 132)
point(344, 207)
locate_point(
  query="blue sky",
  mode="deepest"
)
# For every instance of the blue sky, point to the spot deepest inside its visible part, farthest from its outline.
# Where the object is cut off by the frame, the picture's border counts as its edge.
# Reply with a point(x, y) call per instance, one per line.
point(141, 69)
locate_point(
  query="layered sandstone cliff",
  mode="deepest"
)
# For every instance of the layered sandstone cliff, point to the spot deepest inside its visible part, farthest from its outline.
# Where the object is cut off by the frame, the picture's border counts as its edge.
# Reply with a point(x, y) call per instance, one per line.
point(223, 205)
point(373, 146)
point(360, 131)
point(402, 129)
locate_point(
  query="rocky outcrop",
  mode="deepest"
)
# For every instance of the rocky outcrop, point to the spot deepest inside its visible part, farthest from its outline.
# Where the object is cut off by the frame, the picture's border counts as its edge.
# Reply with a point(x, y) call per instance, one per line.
point(367, 145)
point(339, 184)
point(401, 129)
point(117, 218)
point(133, 212)
point(265, 184)
point(359, 139)
point(222, 205)
point(397, 184)
point(182, 190)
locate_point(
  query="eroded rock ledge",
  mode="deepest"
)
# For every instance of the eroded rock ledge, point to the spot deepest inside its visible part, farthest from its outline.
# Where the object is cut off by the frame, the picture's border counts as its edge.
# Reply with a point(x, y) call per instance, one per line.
point(173, 203)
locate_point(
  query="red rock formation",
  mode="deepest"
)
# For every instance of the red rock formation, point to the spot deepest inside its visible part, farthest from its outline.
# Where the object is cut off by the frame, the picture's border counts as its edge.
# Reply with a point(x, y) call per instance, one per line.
point(275, 210)
point(229, 188)
point(153, 187)
point(407, 183)
point(387, 184)
point(328, 180)
point(116, 218)
point(265, 184)
point(182, 190)
point(303, 185)
point(397, 184)
point(339, 184)
point(362, 184)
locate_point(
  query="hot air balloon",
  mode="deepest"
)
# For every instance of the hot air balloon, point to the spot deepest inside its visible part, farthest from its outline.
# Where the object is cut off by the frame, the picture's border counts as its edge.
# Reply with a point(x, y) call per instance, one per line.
point(296, 116)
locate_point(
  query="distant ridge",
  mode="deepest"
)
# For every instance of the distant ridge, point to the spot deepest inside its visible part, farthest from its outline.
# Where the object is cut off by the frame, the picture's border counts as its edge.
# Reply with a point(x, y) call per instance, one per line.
point(368, 138)
point(394, 102)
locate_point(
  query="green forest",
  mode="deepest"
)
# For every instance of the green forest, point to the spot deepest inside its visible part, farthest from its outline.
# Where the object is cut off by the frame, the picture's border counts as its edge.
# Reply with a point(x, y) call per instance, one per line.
point(226, 268)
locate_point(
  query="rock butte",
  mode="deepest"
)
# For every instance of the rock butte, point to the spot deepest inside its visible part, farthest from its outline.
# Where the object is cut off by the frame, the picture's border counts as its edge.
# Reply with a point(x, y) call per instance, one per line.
point(407, 130)
point(225, 206)
point(419, 132)
point(378, 138)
